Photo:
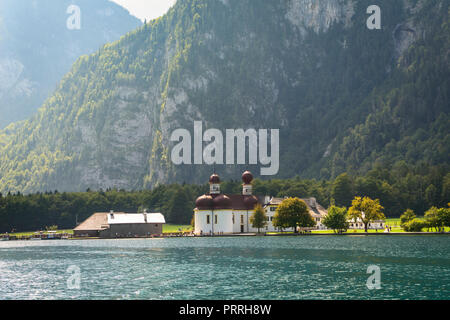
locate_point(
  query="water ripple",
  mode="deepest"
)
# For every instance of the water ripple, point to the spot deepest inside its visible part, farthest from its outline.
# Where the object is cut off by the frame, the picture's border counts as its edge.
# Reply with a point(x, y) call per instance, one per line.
point(319, 267)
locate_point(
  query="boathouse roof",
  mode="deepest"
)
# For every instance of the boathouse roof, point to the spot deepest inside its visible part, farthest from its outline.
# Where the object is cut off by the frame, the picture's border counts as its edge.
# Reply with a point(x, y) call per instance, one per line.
point(102, 220)
point(133, 218)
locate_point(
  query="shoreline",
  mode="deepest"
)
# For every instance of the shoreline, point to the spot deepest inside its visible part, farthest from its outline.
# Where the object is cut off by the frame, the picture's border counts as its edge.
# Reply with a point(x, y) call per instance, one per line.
point(364, 234)
point(254, 235)
point(266, 235)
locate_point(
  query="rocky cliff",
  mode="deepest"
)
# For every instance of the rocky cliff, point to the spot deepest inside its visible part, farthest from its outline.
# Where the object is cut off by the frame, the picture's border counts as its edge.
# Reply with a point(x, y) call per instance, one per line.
point(337, 91)
point(37, 48)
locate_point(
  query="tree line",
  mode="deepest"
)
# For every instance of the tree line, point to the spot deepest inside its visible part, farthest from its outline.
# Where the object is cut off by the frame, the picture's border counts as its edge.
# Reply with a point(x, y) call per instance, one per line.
point(398, 188)
point(293, 213)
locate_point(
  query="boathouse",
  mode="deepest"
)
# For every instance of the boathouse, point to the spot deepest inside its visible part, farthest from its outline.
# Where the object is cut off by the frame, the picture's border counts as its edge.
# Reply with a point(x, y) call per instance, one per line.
point(120, 225)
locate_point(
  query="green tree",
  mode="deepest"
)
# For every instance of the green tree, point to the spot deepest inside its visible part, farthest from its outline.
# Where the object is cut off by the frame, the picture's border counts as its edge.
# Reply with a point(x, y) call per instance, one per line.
point(336, 219)
point(367, 210)
point(446, 188)
point(293, 213)
point(444, 214)
point(342, 191)
point(193, 222)
point(259, 217)
point(438, 218)
point(433, 219)
point(414, 225)
point(407, 216)
point(431, 195)
point(178, 208)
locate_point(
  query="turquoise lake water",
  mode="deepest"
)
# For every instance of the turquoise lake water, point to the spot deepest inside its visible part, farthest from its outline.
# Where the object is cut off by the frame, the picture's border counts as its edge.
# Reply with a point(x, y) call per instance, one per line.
point(303, 267)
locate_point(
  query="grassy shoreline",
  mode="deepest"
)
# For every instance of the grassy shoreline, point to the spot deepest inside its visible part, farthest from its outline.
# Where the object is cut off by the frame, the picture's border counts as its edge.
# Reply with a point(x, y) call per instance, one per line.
point(167, 228)
point(173, 229)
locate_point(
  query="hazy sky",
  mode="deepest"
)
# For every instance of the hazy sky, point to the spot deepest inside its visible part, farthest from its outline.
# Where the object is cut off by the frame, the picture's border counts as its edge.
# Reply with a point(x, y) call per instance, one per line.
point(146, 9)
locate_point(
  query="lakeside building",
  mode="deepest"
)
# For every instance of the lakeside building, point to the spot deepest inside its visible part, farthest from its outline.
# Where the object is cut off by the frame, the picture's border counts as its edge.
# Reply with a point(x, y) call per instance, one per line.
point(358, 224)
point(315, 210)
point(217, 213)
point(120, 225)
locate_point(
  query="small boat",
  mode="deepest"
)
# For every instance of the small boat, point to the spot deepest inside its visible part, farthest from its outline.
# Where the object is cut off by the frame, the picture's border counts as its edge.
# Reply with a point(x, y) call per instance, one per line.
point(51, 235)
point(36, 237)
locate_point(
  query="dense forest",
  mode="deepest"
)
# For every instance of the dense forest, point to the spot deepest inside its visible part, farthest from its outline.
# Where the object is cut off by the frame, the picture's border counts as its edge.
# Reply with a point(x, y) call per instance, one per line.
point(399, 188)
point(345, 98)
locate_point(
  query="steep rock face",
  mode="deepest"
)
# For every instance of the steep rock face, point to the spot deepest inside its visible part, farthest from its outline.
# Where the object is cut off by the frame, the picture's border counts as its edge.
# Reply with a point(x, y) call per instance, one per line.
point(308, 68)
point(319, 15)
point(37, 48)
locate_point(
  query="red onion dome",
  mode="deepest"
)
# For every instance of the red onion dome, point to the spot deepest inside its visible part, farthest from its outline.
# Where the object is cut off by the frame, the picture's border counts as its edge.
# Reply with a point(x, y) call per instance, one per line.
point(214, 178)
point(204, 202)
point(247, 177)
point(250, 202)
point(222, 202)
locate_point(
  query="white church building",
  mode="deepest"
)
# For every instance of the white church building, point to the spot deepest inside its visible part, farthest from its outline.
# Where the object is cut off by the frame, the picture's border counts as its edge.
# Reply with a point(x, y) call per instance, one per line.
point(216, 213)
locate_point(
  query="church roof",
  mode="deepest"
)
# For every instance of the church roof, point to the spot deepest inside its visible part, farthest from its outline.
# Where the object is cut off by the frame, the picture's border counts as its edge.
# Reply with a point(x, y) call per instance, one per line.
point(231, 202)
point(241, 202)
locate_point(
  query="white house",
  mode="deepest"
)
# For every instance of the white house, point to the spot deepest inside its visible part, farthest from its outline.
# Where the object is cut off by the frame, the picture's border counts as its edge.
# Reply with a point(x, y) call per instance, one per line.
point(358, 224)
point(315, 210)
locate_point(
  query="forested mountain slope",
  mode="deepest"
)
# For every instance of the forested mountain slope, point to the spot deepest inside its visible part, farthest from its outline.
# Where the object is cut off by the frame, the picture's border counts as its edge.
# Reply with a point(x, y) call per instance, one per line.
point(344, 97)
point(37, 47)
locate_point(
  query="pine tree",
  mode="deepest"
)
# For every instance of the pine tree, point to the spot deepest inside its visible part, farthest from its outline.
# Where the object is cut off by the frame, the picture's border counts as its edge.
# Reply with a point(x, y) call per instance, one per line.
point(342, 190)
point(178, 210)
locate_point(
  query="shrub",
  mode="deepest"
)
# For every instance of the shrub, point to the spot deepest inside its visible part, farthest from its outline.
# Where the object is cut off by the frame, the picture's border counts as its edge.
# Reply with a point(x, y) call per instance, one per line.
point(407, 216)
point(415, 225)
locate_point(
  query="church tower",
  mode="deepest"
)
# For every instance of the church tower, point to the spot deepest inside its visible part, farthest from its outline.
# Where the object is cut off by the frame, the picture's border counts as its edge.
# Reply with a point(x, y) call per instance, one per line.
point(214, 184)
point(247, 179)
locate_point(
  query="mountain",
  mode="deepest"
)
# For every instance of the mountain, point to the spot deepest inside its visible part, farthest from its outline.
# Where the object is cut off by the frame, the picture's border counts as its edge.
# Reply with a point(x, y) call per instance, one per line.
point(37, 48)
point(345, 97)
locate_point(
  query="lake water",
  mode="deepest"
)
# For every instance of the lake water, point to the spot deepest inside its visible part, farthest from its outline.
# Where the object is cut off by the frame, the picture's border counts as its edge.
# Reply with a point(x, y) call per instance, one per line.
point(303, 267)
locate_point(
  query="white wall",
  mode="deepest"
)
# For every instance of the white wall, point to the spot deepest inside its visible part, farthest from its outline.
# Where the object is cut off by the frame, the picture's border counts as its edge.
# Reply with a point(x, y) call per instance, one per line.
point(224, 222)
